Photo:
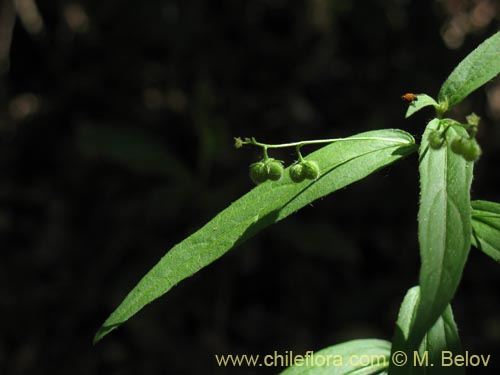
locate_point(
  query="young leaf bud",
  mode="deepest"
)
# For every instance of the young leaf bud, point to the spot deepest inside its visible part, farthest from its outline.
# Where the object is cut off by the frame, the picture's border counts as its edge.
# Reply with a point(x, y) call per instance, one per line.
point(435, 139)
point(274, 169)
point(238, 142)
point(297, 172)
point(311, 169)
point(258, 172)
point(473, 119)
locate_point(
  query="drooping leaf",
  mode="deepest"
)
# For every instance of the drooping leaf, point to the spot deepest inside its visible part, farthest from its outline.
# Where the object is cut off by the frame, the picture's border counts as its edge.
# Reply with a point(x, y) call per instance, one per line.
point(360, 357)
point(444, 219)
point(423, 100)
point(341, 164)
point(486, 228)
point(411, 358)
point(475, 70)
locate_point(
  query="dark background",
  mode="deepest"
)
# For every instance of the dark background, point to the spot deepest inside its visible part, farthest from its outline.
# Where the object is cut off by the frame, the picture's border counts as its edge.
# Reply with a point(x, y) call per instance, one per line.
point(117, 121)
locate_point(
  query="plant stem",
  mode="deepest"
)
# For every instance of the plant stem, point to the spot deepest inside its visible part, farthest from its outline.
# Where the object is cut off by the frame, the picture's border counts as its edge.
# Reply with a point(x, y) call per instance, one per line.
point(299, 144)
point(266, 157)
point(299, 154)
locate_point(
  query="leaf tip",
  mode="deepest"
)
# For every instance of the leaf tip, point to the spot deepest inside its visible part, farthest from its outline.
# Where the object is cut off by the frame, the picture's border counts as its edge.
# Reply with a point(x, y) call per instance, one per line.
point(103, 331)
point(418, 102)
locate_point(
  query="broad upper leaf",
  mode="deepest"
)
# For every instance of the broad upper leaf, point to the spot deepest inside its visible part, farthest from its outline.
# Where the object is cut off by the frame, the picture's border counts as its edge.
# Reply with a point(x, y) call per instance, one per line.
point(444, 219)
point(475, 70)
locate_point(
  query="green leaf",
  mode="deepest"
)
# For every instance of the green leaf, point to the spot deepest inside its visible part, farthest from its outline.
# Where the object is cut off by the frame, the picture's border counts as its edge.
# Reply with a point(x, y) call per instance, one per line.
point(486, 228)
point(444, 223)
point(440, 342)
point(475, 70)
point(356, 357)
point(423, 100)
point(341, 163)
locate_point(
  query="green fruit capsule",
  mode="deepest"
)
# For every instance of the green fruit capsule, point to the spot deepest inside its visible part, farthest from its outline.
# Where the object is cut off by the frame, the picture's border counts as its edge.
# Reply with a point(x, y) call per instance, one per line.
point(274, 169)
point(258, 172)
point(467, 147)
point(435, 139)
point(472, 150)
point(297, 172)
point(311, 169)
point(458, 145)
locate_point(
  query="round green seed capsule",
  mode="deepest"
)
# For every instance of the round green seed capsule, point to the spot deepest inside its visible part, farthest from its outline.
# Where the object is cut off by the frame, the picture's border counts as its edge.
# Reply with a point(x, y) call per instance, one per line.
point(472, 150)
point(458, 145)
point(435, 139)
point(258, 172)
point(297, 172)
point(274, 169)
point(311, 169)
point(467, 147)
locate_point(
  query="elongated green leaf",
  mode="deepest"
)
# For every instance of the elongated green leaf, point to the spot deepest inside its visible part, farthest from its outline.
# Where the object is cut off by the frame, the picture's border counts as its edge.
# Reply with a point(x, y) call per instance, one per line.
point(430, 356)
point(341, 163)
point(444, 220)
point(359, 357)
point(475, 70)
point(423, 100)
point(486, 228)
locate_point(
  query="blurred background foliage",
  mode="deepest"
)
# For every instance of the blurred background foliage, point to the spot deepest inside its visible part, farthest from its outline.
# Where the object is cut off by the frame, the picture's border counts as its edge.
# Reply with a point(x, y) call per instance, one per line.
point(116, 126)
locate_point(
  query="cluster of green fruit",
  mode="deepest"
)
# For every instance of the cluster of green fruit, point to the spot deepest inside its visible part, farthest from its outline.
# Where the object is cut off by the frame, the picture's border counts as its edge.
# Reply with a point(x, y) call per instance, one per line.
point(272, 169)
point(465, 146)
